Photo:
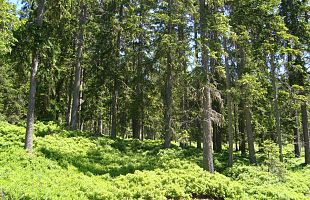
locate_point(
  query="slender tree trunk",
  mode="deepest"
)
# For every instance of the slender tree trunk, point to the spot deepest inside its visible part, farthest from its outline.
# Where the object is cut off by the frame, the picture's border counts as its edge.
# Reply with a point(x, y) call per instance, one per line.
point(115, 93)
point(198, 121)
point(229, 110)
point(183, 65)
point(114, 110)
point(77, 80)
point(198, 124)
point(76, 94)
point(68, 113)
point(100, 126)
point(206, 115)
point(138, 96)
point(217, 139)
point(240, 57)
point(276, 105)
point(207, 132)
point(136, 129)
point(33, 84)
point(168, 87)
point(214, 138)
point(236, 120)
point(247, 113)
point(297, 147)
point(142, 121)
point(242, 131)
point(297, 144)
point(305, 130)
point(250, 134)
point(80, 119)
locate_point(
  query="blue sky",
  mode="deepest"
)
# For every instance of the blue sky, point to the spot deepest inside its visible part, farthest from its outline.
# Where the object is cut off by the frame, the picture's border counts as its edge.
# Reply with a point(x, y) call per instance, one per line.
point(17, 2)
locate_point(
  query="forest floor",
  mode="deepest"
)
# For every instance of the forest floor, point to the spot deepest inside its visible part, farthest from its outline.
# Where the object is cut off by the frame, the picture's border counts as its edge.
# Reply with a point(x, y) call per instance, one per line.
point(80, 165)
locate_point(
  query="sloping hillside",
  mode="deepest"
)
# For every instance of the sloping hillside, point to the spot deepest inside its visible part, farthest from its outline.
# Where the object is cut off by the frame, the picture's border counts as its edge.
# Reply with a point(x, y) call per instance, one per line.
point(79, 165)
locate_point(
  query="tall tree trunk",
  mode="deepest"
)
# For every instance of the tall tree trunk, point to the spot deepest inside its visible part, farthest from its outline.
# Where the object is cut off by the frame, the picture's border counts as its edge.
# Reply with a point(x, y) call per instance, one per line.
point(241, 115)
point(68, 113)
point(100, 126)
point(136, 129)
point(297, 77)
point(297, 147)
point(242, 130)
point(276, 104)
point(249, 132)
point(198, 125)
point(196, 57)
point(33, 84)
point(114, 110)
point(217, 138)
point(115, 92)
point(305, 130)
point(80, 116)
point(183, 81)
point(304, 115)
point(77, 80)
point(247, 111)
point(207, 132)
point(206, 115)
point(168, 87)
point(229, 109)
point(236, 122)
point(138, 96)
point(136, 113)
point(142, 120)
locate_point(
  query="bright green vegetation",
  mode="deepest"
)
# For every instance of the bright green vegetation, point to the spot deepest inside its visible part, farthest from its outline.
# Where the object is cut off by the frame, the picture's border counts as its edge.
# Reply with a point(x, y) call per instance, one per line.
point(78, 165)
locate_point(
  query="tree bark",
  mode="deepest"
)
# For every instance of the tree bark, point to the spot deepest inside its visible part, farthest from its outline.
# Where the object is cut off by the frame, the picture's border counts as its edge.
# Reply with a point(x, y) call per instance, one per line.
point(250, 134)
point(115, 93)
point(168, 87)
point(198, 124)
point(276, 105)
point(242, 131)
point(229, 110)
point(100, 126)
point(206, 114)
point(305, 130)
point(217, 138)
point(68, 113)
point(236, 122)
point(297, 147)
point(138, 96)
point(33, 84)
point(114, 110)
point(77, 80)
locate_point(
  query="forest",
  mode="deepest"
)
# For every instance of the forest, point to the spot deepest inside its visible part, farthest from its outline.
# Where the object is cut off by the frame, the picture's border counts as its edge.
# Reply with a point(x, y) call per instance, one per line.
point(154, 99)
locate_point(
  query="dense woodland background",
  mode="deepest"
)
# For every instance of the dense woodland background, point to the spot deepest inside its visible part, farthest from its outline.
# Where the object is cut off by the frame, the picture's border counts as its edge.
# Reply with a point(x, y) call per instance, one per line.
point(230, 74)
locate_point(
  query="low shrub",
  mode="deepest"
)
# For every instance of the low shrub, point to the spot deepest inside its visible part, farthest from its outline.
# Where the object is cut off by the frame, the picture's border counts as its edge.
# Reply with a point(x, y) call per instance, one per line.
point(74, 165)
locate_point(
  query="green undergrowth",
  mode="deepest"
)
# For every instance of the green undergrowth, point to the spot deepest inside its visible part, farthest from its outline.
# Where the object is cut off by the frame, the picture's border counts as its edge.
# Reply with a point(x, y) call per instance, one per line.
point(79, 165)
